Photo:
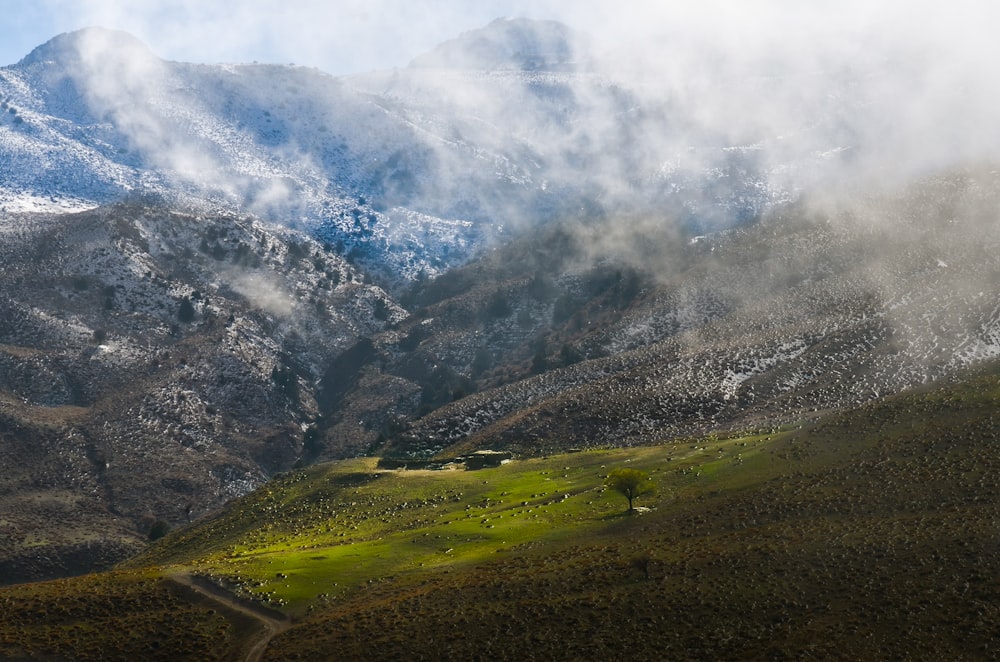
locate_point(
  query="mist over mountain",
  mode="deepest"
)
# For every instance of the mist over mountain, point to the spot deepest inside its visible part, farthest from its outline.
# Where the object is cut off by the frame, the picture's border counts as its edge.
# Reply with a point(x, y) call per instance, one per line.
point(519, 44)
point(214, 273)
point(418, 168)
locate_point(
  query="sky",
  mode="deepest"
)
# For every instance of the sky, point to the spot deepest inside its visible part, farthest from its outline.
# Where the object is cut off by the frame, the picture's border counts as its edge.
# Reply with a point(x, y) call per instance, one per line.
point(355, 36)
point(340, 37)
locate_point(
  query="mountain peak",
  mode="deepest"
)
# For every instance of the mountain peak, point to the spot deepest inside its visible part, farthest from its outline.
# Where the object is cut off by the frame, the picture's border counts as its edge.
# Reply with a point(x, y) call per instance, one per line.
point(69, 46)
point(506, 43)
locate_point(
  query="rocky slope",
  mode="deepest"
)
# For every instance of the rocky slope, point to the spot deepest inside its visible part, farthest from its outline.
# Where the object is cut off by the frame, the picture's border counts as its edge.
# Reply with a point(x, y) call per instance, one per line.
point(154, 364)
point(811, 308)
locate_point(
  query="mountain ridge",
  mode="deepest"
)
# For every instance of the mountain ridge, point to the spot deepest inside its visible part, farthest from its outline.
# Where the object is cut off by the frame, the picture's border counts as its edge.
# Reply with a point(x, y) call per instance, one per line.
point(66, 47)
point(162, 362)
point(507, 43)
point(274, 267)
point(757, 327)
point(416, 170)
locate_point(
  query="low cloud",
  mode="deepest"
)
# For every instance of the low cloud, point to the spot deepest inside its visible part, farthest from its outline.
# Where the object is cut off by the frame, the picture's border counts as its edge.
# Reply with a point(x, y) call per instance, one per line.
point(708, 111)
point(264, 291)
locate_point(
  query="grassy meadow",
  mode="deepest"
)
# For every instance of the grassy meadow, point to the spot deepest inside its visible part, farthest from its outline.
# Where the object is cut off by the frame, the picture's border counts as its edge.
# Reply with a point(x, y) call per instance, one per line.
point(323, 533)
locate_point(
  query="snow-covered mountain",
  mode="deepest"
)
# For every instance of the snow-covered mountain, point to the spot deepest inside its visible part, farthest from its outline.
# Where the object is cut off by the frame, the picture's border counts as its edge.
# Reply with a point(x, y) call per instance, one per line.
point(511, 44)
point(410, 170)
point(93, 116)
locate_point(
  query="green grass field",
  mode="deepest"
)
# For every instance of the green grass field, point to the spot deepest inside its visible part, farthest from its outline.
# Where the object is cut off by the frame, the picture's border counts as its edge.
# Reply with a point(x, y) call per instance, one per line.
point(326, 531)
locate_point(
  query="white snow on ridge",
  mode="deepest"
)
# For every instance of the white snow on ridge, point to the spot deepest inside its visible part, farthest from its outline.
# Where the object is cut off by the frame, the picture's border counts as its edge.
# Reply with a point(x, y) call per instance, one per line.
point(438, 146)
point(27, 203)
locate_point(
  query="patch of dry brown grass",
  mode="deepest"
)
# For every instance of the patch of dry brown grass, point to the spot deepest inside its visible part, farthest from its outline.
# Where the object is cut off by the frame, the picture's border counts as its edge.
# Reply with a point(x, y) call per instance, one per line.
point(116, 616)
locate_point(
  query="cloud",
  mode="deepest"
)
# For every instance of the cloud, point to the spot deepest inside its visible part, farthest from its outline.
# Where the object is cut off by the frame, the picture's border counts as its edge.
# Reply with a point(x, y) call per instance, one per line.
point(903, 88)
point(263, 290)
point(844, 90)
point(124, 83)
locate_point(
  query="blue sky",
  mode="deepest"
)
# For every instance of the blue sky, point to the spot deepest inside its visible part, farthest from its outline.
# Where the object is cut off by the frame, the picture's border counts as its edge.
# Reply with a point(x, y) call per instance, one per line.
point(342, 36)
point(349, 36)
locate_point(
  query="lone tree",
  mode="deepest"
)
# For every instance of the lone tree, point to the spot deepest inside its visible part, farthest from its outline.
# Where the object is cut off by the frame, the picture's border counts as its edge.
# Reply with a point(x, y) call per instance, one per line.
point(630, 483)
point(185, 312)
point(158, 530)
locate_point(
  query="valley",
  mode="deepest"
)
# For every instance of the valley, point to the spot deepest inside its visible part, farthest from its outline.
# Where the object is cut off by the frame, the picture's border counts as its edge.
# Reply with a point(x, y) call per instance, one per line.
point(163, 362)
point(869, 532)
point(295, 366)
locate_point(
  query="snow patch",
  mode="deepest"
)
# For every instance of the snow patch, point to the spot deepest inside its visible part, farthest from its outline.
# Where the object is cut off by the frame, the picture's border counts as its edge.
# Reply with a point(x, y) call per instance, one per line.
point(26, 203)
point(757, 365)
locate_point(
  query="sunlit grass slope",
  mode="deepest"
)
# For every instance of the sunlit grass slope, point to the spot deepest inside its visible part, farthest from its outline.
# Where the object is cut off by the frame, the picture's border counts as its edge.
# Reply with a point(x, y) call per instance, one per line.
point(324, 532)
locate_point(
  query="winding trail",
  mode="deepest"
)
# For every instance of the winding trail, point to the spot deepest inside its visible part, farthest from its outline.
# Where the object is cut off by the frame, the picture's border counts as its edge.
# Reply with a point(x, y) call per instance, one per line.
point(272, 622)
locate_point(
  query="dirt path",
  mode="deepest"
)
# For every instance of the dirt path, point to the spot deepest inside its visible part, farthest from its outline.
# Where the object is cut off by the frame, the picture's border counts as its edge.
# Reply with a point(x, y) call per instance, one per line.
point(272, 622)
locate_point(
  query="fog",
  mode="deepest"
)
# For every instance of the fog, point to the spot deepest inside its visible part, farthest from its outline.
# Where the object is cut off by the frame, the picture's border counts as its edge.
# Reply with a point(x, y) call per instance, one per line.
point(709, 113)
point(888, 90)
